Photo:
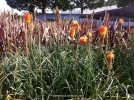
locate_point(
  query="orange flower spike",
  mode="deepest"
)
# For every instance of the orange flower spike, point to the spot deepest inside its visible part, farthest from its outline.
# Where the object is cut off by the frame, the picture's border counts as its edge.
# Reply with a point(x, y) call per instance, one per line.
point(110, 55)
point(121, 21)
point(77, 28)
point(75, 23)
point(27, 18)
point(31, 26)
point(132, 30)
point(103, 30)
point(72, 33)
point(83, 39)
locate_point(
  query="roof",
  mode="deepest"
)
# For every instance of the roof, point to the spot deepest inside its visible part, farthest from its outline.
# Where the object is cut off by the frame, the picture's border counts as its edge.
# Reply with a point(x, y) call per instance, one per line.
point(88, 11)
point(127, 13)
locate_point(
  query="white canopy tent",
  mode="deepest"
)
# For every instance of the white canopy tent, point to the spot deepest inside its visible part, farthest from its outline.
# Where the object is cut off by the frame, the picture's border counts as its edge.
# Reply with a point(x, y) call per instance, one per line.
point(88, 11)
point(5, 8)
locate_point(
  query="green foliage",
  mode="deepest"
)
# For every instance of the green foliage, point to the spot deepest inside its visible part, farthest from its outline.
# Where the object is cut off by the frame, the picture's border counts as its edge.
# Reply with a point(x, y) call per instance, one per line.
point(42, 4)
point(62, 4)
point(21, 4)
point(62, 70)
point(110, 2)
point(66, 4)
point(91, 4)
point(41, 62)
point(122, 3)
point(124, 67)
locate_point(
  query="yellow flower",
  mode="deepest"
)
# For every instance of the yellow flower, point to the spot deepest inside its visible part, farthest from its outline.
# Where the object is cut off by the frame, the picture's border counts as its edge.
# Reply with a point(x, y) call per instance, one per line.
point(103, 30)
point(121, 21)
point(27, 18)
point(89, 34)
point(83, 39)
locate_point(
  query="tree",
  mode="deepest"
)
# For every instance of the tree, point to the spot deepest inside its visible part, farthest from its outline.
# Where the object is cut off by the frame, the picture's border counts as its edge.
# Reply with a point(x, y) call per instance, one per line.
point(15, 3)
point(123, 3)
point(28, 4)
point(62, 4)
point(81, 6)
point(42, 4)
point(91, 4)
point(110, 2)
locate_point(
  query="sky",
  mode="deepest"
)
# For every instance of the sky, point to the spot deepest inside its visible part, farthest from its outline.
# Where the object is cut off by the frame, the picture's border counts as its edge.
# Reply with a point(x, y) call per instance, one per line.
point(5, 7)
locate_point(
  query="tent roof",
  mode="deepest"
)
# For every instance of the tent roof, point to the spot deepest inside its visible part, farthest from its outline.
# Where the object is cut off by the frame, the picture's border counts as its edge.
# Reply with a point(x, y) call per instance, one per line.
point(125, 12)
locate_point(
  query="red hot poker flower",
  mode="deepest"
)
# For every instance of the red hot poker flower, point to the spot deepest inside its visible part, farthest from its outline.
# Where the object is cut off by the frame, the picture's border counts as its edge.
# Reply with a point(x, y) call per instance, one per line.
point(83, 39)
point(27, 18)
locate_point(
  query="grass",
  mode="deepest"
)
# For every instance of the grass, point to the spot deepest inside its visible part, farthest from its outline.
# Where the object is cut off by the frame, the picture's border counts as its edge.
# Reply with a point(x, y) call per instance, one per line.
point(39, 61)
